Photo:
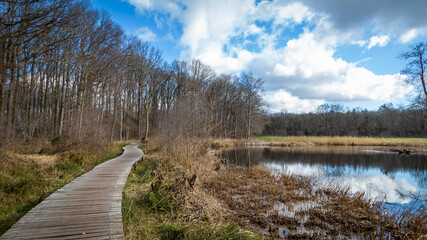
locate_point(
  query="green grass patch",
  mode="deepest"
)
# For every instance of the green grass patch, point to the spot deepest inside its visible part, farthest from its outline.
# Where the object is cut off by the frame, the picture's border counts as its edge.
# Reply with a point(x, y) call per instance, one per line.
point(25, 178)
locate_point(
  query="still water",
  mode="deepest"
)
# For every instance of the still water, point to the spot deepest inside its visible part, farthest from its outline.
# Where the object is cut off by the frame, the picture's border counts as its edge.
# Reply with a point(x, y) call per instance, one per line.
point(397, 178)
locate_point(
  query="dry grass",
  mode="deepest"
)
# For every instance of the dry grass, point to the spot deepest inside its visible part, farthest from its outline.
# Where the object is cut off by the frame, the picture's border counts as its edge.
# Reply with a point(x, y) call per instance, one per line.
point(29, 173)
point(346, 141)
point(182, 151)
point(276, 205)
point(230, 142)
point(287, 206)
point(173, 210)
point(43, 162)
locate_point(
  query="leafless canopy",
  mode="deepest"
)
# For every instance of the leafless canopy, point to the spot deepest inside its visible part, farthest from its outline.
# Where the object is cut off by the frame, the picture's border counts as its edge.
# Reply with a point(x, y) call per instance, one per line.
point(66, 68)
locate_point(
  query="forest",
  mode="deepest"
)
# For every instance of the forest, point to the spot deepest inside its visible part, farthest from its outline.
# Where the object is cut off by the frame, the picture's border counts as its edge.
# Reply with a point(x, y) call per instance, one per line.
point(67, 69)
point(335, 120)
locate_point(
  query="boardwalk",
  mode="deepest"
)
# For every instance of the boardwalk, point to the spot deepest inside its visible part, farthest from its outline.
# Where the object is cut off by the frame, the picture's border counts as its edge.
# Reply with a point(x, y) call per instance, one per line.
point(87, 208)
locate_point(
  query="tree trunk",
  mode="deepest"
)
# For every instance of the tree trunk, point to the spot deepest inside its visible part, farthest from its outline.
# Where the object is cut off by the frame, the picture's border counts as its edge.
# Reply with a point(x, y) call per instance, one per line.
point(147, 119)
point(249, 121)
point(121, 120)
point(81, 115)
point(31, 102)
point(10, 104)
point(422, 76)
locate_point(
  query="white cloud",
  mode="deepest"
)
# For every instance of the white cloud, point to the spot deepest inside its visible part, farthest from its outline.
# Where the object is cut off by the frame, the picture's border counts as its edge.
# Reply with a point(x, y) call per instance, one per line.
point(299, 75)
point(214, 56)
point(210, 23)
point(141, 4)
point(145, 34)
point(174, 8)
point(361, 43)
point(295, 12)
point(408, 36)
point(306, 68)
point(282, 100)
point(378, 41)
point(283, 12)
point(281, 70)
point(253, 29)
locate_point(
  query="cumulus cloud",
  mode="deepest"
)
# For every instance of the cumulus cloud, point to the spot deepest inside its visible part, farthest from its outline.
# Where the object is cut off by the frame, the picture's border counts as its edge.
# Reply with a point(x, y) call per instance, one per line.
point(145, 34)
point(378, 41)
point(283, 12)
point(283, 101)
point(234, 36)
point(307, 68)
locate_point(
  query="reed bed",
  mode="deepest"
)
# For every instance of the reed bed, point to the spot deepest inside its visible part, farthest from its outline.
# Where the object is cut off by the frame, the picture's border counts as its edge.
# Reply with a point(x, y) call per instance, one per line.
point(344, 141)
point(158, 203)
point(241, 203)
point(290, 206)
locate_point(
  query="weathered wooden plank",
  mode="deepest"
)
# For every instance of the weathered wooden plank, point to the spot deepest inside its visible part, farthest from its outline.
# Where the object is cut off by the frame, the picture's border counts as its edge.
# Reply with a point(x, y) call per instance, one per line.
point(87, 208)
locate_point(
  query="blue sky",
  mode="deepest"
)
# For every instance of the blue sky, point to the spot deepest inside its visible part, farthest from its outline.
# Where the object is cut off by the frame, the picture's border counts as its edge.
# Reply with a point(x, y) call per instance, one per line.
point(308, 52)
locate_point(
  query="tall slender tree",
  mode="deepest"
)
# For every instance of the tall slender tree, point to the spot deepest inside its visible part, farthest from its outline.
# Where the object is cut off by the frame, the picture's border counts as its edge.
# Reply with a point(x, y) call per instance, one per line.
point(416, 68)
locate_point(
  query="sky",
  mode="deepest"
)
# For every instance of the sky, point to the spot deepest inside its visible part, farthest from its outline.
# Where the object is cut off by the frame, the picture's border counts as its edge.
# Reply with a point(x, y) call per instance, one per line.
point(308, 52)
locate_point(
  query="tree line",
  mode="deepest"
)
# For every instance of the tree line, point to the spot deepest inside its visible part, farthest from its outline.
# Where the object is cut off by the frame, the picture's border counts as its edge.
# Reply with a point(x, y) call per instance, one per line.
point(68, 69)
point(335, 120)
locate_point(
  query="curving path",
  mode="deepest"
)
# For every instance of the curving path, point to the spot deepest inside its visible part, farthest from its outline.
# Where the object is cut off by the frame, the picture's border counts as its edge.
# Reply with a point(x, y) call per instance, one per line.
point(87, 208)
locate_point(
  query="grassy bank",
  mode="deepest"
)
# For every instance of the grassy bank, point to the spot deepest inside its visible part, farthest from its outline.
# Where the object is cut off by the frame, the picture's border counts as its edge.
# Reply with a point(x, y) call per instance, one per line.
point(158, 203)
point(345, 141)
point(30, 173)
point(240, 203)
point(331, 141)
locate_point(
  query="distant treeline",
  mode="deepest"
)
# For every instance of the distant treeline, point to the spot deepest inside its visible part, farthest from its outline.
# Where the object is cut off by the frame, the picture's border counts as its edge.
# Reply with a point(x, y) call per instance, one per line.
point(66, 68)
point(332, 120)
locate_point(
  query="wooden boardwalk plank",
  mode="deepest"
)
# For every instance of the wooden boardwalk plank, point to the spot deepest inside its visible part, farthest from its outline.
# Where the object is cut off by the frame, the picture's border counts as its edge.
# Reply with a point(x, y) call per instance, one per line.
point(87, 208)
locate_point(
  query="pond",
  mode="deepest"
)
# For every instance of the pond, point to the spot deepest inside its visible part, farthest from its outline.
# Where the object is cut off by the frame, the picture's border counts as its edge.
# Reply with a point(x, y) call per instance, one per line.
point(399, 179)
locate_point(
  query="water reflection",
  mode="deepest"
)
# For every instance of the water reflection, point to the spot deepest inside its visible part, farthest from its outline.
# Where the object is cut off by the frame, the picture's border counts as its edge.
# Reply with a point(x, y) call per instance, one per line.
point(374, 170)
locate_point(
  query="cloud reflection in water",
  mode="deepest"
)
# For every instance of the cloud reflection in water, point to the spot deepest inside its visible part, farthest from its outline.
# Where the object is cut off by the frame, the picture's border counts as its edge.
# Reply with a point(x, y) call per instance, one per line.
point(374, 182)
point(375, 171)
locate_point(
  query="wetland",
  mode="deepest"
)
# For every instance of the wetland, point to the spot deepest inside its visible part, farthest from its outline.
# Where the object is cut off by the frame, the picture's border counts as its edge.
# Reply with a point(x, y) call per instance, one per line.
point(395, 178)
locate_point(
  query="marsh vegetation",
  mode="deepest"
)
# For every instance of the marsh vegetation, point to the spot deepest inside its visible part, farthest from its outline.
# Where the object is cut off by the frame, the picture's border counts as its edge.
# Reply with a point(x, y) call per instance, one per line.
point(342, 141)
point(173, 209)
point(263, 200)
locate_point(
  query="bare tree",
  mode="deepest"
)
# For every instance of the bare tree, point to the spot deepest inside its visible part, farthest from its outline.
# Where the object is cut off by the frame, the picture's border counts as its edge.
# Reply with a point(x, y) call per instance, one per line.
point(416, 67)
point(334, 120)
point(68, 69)
point(251, 87)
